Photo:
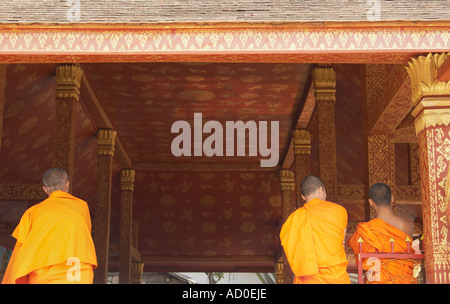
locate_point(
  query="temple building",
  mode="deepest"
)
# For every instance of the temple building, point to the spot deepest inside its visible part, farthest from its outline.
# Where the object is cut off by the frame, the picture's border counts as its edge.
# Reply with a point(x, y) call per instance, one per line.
point(356, 92)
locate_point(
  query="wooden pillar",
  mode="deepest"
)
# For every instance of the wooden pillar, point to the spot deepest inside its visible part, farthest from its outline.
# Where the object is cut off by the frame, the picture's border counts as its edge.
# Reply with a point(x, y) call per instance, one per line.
point(287, 187)
point(379, 149)
point(302, 160)
point(105, 152)
point(381, 164)
point(126, 224)
point(324, 79)
point(68, 80)
point(431, 99)
point(279, 272)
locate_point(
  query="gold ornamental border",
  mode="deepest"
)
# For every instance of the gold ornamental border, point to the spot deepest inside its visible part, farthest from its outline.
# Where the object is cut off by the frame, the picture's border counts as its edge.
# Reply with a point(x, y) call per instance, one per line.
point(225, 42)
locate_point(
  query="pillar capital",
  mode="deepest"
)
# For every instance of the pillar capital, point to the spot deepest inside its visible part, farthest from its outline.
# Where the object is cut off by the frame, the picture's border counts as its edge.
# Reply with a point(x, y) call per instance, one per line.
point(287, 180)
point(105, 141)
point(127, 180)
point(279, 272)
point(324, 80)
point(302, 141)
point(431, 112)
point(137, 269)
point(423, 71)
point(68, 81)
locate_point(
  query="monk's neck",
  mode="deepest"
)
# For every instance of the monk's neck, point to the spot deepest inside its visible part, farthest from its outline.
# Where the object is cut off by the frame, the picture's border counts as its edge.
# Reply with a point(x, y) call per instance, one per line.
point(385, 214)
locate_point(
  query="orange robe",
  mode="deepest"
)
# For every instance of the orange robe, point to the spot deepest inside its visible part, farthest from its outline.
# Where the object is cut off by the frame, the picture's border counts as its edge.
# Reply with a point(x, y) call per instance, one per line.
point(376, 234)
point(313, 241)
point(54, 243)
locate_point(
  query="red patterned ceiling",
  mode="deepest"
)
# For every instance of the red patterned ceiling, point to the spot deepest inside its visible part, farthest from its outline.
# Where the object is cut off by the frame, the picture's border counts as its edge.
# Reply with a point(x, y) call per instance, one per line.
point(144, 100)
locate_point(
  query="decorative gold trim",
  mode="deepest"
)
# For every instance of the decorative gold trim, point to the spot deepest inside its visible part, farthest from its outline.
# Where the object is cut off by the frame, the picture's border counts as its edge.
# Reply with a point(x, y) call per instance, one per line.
point(105, 141)
point(423, 75)
point(68, 81)
point(287, 180)
point(432, 111)
point(324, 79)
point(127, 179)
point(302, 141)
point(279, 272)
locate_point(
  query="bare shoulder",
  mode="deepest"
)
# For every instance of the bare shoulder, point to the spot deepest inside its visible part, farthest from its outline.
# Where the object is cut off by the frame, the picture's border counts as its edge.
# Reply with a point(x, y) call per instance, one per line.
point(406, 225)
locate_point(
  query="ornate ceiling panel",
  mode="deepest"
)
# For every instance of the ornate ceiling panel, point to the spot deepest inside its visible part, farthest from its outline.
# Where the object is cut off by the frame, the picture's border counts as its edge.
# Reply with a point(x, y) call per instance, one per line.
point(144, 100)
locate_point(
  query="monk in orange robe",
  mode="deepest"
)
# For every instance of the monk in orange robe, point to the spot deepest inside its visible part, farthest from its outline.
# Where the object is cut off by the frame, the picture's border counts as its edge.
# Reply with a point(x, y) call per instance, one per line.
point(53, 239)
point(378, 234)
point(313, 237)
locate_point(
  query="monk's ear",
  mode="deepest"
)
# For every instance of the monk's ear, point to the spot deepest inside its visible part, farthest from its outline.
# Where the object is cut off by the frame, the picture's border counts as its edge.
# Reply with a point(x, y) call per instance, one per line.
point(45, 190)
point(371, 202)
point(324, 193)
point(303, 197)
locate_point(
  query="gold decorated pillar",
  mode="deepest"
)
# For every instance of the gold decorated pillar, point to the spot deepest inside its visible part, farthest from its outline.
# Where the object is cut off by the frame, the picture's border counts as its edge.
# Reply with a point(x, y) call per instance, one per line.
point(137, 269)
point(126, 224)
point(381, 165)
point(68, 81)
point(324, 79)
point(105, 153)
point(379, 148)
point(431, 99)
point(302, 155)
point(287, 181)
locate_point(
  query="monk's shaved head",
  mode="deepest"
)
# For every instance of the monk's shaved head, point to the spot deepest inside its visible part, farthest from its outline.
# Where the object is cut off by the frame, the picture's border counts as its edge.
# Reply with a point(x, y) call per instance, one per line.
point(55, 179)
point(311, 184)
point(380, 194)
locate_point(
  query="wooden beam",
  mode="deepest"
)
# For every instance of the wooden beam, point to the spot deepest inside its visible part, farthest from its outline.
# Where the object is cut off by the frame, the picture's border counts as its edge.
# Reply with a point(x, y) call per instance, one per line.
point(22, 192)
point(114, 251)
point(201, 166)
point(100, 119)
point(209, 263)
point(392, 105)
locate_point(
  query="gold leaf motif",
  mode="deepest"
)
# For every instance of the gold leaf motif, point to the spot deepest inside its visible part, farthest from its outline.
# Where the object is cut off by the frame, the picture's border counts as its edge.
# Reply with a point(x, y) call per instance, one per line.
point(143, 77)
point(275, 201)
point(28, 125)
point(14, 108)
point(247, 227)
point(169, 227)
point(41, 141)
point(167, 201)
point(207, 201)
point(251, 78)
point(246, 200)
point(196, 95)
point(247, 176)
point(208, 227)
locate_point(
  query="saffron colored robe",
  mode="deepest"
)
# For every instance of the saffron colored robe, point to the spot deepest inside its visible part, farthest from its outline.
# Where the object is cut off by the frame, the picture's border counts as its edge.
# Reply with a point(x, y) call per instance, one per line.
point(313, 241)
point(376, 234)
point(54, 243)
